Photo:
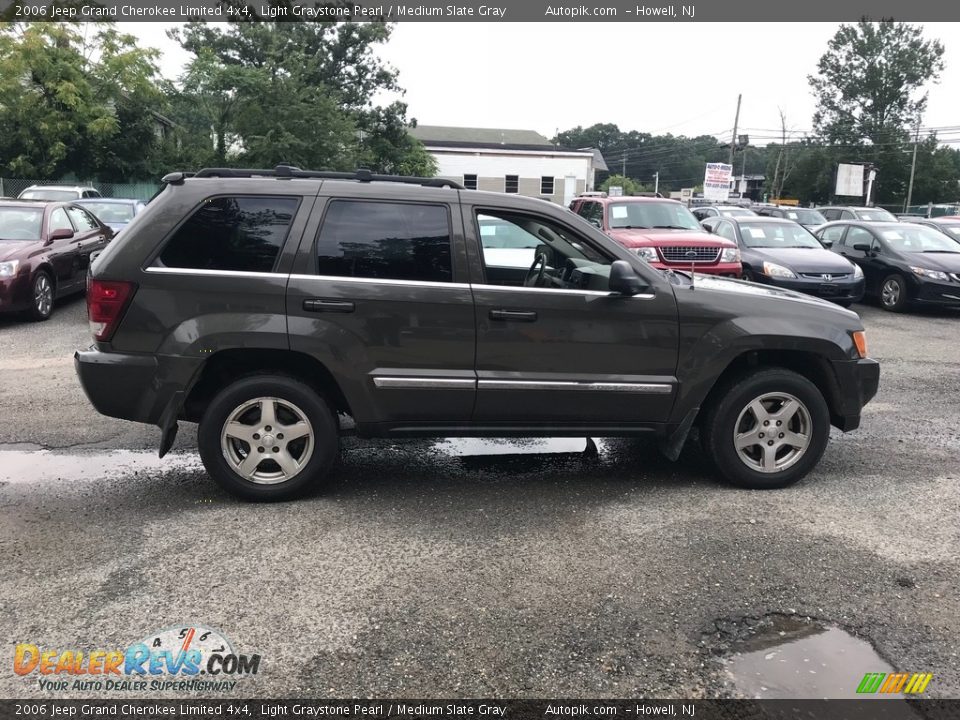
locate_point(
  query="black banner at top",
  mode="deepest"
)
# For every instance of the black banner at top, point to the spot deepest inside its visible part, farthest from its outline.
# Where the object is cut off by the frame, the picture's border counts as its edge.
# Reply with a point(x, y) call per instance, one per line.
point(623, 11)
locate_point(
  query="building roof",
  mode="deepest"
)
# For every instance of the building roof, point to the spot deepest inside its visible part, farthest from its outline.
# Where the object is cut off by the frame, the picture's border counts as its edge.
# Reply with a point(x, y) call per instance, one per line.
point(439, 134)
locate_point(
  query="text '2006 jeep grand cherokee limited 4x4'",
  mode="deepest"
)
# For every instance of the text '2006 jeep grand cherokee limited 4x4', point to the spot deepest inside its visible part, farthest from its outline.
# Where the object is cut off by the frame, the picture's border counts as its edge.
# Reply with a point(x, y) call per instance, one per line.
point(263, 304)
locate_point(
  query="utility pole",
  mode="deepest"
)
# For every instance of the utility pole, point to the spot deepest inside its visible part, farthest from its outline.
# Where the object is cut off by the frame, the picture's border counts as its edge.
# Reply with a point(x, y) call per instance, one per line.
point(913, 169)
point(736, 122)
point(656, 182)
point(624, 169)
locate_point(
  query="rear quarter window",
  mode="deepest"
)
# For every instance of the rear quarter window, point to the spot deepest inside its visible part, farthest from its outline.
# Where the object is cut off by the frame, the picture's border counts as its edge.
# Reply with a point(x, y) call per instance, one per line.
point(241, 233)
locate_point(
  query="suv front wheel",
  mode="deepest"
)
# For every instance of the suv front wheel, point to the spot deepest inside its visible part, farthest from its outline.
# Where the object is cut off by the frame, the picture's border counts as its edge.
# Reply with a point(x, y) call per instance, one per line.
point(767, 430)
point(268, 437)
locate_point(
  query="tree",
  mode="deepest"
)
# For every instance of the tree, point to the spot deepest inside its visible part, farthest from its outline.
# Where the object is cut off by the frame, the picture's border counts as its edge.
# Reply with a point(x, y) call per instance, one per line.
point(630, 187)
point(869, 88)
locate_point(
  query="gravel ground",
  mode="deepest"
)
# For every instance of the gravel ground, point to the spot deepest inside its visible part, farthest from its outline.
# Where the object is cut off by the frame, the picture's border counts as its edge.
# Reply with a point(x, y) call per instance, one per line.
point(424, 574)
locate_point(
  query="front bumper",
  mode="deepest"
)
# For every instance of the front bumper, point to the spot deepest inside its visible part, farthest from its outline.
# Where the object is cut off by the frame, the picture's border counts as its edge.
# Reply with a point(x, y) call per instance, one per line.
point(858, 382)
point(931, 292)
point(142, 388)
point(15, 293)
point(844, 291)
point(731, 270)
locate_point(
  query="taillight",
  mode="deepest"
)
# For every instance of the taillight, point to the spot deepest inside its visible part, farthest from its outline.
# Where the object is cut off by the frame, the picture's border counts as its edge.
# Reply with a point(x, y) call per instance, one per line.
point(106, 302)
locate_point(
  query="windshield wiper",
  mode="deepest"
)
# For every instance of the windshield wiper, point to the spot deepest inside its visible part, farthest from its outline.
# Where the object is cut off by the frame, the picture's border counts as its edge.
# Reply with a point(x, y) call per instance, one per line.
point(943, 251)
point(672, 227)
point(631, 227)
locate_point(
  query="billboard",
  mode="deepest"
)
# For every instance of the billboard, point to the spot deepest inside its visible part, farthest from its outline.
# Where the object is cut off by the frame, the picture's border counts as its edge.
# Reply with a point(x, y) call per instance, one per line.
point(849, 180)
point(716, 181)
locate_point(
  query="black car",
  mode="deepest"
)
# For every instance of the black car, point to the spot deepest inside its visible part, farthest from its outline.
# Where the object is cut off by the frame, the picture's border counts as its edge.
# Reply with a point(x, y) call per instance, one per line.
point(780, 252)
point(264, 304)
point(949, 225)
point(808, 217)
point(903, 263)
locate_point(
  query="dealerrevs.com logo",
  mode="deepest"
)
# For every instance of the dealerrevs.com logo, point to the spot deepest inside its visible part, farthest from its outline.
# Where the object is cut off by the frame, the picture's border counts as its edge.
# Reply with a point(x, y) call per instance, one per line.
point(180, 658)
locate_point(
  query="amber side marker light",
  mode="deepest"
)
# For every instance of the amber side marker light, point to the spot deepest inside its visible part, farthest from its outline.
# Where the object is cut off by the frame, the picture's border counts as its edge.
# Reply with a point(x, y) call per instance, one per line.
point(860, 340)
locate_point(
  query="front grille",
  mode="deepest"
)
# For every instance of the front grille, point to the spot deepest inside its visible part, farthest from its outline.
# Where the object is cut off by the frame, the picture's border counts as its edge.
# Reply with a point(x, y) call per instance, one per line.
point(679, 254)
point(825, 276)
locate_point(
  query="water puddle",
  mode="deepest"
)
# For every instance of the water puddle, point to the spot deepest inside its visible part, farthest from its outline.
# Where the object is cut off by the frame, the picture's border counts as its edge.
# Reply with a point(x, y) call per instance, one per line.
point(792, 658)
point(20, 466)
point(482, 447)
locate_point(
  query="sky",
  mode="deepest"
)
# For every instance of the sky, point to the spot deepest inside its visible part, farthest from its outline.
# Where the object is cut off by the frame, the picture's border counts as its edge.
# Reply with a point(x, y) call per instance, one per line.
point(679, 78)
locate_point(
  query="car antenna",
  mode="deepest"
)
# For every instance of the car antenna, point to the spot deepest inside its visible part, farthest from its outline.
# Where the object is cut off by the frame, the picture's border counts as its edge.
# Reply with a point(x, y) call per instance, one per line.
point(692, 257)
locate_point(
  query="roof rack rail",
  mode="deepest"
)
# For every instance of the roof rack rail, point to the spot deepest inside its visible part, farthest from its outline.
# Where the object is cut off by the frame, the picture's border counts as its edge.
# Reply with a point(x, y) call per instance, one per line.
point(362, 175)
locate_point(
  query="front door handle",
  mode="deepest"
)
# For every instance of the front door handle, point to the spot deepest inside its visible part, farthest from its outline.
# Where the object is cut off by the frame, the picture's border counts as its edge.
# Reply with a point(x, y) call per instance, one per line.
point(334, 306)
point(513, 315)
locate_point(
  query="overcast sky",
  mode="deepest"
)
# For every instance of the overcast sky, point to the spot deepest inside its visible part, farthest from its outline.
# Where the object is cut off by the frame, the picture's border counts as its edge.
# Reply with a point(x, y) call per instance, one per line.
point(681, 78)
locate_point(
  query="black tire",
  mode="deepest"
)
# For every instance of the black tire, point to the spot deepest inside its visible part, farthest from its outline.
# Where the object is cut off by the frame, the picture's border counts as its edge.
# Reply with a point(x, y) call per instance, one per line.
point(898, 291)
point(289, 392)
point(41, 310)
point(732, 402)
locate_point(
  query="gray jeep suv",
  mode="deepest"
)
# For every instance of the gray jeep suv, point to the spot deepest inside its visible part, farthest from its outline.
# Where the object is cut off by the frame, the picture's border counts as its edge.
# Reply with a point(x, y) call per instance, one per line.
point(266, 304)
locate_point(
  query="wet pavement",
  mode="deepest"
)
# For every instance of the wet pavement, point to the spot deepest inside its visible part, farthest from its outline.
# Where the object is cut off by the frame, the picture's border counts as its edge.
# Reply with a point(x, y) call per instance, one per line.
point(486, 568)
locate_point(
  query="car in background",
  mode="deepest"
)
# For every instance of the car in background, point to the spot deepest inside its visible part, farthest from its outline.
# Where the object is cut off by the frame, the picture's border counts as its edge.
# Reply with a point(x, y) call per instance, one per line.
point(808, 217)
point(867, 214)
point(662, 232)
point(45, 250)
point(949, 225)
point(780, 252)
point(704, 212)
point(903, 263)
point(116, 213)
point(58, 193)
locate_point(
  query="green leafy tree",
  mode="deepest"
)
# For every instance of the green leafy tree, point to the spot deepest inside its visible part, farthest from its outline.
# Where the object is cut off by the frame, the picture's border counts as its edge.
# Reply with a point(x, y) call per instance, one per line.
point(630, 187)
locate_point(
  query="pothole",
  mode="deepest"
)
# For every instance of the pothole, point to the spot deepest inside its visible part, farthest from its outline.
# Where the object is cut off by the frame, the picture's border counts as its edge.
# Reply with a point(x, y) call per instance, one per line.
point(793, 657)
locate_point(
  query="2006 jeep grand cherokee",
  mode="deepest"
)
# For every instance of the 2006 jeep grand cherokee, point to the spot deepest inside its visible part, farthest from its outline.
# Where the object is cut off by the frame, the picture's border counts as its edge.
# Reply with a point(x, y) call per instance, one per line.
point(263, 304)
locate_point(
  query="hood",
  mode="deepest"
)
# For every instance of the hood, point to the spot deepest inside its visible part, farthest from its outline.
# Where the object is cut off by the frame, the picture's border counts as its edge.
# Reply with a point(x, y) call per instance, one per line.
point(804, 260)
point(756, 290)
point(947, 262)
point(668, 238)
point(18, 249)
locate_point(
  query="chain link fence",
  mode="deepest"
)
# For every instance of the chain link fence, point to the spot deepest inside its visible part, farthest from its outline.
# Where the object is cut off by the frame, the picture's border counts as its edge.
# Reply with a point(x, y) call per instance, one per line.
point(11, 187)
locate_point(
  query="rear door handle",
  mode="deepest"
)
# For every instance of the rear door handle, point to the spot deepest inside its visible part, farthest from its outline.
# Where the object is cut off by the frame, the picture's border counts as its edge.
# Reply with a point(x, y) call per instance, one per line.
point(334, 306)
point(513, 315)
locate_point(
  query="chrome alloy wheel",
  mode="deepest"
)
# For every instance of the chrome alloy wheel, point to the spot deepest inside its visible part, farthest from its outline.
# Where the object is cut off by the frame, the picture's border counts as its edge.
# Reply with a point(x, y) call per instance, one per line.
point(890, 292)
point(267, 440)
point(772, 432)
point(43, 295)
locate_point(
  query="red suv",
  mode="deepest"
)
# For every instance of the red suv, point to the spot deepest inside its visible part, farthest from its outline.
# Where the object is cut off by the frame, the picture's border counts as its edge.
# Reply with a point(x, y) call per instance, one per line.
point(662, 232)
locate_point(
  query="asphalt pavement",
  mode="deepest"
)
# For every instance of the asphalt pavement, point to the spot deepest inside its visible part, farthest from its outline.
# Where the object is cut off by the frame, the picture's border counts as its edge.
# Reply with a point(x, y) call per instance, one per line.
point(444, 569)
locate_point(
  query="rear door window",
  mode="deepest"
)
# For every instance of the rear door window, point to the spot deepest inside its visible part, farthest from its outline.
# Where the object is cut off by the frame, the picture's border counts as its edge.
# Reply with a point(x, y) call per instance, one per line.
point(383, 240)
point(241, 234)
point(82, 219)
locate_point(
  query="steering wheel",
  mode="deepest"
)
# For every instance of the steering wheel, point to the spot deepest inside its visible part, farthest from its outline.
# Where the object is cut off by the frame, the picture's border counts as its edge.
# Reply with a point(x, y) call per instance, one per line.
point(535, 273)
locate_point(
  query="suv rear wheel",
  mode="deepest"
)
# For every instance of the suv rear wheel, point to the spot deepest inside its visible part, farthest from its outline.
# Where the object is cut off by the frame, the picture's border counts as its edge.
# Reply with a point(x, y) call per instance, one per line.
point(767, 430)
point(268, 437)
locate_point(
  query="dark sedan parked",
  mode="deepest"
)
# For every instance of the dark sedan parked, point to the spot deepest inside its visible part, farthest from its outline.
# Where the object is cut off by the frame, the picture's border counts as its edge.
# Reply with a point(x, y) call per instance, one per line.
point(903, 263)
point(948, 225)
point(45, 251)
point(775, 251)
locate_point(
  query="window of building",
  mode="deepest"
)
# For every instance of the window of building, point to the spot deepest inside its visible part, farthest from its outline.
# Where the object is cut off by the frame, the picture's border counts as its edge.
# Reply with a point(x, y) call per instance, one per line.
point(392, 241)
point(470, 182)
point(546, 185)
point(511, 184)
point(232, 233)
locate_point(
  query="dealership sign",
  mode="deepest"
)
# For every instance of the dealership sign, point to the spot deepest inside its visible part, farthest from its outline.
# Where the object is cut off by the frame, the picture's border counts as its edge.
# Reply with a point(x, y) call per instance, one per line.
point(716, 181)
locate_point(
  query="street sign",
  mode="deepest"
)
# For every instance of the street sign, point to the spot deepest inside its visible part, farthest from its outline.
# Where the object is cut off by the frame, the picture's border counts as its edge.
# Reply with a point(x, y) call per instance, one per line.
point(615, 191)
point(716, 181)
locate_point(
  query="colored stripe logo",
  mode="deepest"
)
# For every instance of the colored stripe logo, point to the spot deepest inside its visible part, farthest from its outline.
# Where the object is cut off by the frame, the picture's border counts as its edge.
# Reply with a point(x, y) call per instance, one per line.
point(907, 683)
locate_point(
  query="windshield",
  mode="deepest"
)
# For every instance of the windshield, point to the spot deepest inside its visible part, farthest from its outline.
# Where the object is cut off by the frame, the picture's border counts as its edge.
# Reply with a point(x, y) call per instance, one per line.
point(876, 215)
point(111, 212)
point(20, 223)
point(916, 238)
point(777, 235)
point(737, 212)
point(49, 194)
point(805, 216)
point(652, 215)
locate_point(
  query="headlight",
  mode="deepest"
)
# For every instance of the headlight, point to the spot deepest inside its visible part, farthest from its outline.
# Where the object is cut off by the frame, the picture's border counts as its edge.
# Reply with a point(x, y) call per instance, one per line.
point(773, 270)
point(9, 268)
point(857, 272)
point(730, 255)
point(647, 253)
point(932, 274)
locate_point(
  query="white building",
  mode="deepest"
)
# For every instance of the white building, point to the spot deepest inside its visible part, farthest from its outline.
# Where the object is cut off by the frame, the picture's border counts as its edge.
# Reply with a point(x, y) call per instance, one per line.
point(511, 161)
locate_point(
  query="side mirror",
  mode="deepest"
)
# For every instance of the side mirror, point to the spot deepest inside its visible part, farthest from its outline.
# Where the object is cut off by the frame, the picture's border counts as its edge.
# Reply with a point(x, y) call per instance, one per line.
point(596, 223)
point(862, 247)
point(706, 228)
point(61, 234)
point(624, 280)
point(826, 243)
